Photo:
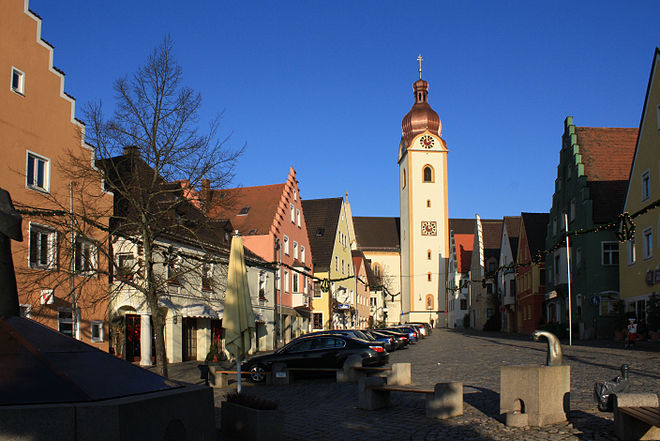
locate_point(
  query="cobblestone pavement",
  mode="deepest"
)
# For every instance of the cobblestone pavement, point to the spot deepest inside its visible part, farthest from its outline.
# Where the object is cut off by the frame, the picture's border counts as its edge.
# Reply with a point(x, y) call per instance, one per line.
point(320, 409)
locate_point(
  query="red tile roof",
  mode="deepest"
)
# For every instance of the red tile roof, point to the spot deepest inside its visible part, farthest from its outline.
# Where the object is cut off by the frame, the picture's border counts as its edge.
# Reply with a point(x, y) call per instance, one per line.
point(464, 244)
point(607, 153)
point(262, 202)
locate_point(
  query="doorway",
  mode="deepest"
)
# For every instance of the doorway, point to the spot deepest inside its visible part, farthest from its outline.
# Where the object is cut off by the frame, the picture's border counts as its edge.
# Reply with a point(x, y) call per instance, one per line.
point(189, 339)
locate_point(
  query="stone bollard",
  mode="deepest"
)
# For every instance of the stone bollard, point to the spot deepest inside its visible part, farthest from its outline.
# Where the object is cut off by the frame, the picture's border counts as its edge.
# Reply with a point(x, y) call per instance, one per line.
point(446, 402)
point(628, 428)
point(372, 399)
point(280, 374)
point(347, 374)
point(400, 375)
point(541, 392)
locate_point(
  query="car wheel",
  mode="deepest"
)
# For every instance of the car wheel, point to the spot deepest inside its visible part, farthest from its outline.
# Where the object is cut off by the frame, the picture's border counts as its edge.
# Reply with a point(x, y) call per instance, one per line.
point(257, 373)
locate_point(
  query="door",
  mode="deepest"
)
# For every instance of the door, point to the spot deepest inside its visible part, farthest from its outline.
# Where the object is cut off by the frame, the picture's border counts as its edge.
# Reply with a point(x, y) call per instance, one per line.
point(132, 337)
point(189, 338)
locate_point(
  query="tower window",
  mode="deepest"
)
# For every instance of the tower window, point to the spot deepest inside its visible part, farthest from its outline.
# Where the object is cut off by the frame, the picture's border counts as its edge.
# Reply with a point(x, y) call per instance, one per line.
point(428, 255)
point(428, 203)
point(428, 173)
point(403, 179)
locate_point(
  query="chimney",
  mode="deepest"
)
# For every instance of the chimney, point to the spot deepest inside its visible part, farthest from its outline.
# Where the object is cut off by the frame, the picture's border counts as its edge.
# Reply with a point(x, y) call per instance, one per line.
point(205, 194)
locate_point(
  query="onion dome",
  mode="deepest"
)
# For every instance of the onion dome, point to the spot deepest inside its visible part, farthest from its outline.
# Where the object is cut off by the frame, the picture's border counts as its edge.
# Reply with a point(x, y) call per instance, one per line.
point(421, 116)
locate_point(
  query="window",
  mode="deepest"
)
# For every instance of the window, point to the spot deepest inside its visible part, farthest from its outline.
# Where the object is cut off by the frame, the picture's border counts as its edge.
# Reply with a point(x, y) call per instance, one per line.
point(556, 268)
point(262, 285)
point(336, 263)
point(298, 217)
point(65, 322)
point(207, 277)
point(286, 281)
point(25, 309)
point(492, 267)
point(554, 226)
point(17, 81)
point(428, 254)
point(427, 173)
point(463, 304)
point(428, 203)
point(295, 249)
point(37, 172)
point(286, 245)
point(316, 292)
point(173, 266)
point(278, 280)
point(632, 252)
point(342, 266)
point(489, 288)
point(85, 256)
point(42, 247)
point(125, 262)
point(646, 185)
point(428, 277)
point(294, 281)
point(647, 237)
point(403, 178)
point(97, 331)
point(542, 277)
point(244, 211)
point(295, 195)
point(429, 301)
point(317, 320)
point(572, 210)
point(320, 232)
point(293, 213)
point(373, 302)
point(302, 254)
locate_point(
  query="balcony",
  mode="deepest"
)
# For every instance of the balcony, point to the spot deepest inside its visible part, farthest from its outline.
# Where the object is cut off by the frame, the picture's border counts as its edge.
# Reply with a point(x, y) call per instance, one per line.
point(299, 299)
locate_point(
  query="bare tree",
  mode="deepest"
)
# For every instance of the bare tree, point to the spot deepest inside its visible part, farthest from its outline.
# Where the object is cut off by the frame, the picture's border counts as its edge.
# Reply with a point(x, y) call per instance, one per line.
point(153, 155)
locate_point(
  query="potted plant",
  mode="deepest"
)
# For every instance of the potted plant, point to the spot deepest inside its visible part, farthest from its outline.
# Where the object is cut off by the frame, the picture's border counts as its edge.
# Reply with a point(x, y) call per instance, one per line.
point(247, 417)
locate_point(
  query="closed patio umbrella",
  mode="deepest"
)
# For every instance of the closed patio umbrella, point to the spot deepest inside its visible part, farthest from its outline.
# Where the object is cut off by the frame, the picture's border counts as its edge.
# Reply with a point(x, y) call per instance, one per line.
point(238, 320)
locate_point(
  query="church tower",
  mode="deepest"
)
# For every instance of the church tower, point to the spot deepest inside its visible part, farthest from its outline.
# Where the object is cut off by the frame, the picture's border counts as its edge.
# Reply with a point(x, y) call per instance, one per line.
point(424, 211)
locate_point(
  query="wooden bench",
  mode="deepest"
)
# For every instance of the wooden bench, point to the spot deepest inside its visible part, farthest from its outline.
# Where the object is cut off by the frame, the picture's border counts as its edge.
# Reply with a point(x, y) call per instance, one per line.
point(443, 401)
point(637, 416)
point(220, 378)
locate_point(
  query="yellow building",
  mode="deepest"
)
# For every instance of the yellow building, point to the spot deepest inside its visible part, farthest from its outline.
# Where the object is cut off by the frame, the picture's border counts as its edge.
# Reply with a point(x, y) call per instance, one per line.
point(639, 261)
point(330, 238)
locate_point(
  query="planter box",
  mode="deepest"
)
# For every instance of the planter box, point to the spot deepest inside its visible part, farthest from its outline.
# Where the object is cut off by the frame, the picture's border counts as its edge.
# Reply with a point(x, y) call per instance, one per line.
point(247, 424)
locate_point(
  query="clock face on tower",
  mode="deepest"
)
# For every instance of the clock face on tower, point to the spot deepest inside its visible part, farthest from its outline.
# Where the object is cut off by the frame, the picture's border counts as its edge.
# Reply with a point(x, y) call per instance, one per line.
point(426, 141)
point(429, 228)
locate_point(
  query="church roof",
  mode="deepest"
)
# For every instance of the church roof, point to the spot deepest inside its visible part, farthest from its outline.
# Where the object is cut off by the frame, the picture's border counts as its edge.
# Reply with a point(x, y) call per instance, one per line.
point(377, 233)
point(322, 219)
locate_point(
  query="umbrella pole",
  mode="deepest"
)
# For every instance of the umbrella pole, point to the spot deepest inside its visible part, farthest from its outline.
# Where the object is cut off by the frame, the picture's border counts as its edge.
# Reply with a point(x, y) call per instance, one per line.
point(238, 371)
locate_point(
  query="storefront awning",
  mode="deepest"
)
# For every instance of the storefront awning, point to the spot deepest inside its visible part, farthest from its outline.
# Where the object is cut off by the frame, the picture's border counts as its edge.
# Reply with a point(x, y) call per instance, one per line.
point(195, 310)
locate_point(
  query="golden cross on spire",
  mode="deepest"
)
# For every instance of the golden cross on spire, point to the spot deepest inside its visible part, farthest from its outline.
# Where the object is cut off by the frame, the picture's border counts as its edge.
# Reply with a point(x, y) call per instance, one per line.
point(419, 60)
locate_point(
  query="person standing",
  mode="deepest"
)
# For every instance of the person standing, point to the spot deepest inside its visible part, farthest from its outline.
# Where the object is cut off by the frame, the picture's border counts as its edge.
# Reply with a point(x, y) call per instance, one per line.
point(632, 333)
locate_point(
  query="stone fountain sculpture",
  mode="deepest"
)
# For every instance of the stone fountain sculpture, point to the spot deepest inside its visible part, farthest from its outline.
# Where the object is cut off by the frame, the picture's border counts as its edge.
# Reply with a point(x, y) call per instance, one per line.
point(536, 395)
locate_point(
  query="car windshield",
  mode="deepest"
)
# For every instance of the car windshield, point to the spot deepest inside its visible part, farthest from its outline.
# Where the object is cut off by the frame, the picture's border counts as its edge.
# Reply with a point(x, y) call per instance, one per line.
point(363, 335)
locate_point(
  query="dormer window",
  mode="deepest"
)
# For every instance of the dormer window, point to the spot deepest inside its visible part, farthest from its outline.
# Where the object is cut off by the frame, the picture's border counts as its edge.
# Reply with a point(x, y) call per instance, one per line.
point(320, 232)
point(244, 211)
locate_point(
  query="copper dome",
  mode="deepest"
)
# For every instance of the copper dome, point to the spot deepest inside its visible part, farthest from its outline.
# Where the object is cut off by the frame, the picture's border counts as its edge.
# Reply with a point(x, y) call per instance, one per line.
point(420, 117)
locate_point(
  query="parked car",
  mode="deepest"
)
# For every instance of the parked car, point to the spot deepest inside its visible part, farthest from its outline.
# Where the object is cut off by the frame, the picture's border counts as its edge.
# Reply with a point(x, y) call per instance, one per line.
point(320, 351)
point(388, 340)
point(424, 327)
point(413, 334)
point(400, 336)
point(354, 333)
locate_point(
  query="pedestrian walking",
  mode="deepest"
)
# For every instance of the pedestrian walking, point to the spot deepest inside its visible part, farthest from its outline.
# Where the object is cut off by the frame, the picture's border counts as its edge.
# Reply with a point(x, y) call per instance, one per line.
point(632, 333)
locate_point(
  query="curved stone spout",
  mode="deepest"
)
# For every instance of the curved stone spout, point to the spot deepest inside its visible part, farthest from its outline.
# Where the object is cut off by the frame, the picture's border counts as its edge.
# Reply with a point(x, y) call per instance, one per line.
point(555, 355)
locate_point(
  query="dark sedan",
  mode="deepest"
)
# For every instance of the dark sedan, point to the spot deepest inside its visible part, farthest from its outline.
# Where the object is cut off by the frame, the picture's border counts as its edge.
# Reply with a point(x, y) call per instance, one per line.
point(317, 352)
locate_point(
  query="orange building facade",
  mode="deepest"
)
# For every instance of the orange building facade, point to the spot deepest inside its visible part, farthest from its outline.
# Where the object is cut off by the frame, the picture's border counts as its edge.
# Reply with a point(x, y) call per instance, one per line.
point(47, 168)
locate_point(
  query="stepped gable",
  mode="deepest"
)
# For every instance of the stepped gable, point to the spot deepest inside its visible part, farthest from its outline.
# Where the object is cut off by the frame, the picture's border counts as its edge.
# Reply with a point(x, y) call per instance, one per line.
point(322, 218)
point(536, 226)
point(377, 233)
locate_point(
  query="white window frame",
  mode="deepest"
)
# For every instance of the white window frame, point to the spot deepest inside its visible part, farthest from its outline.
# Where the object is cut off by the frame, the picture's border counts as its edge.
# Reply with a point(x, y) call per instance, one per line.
point(293, 213)
point(647, 243)
point(295, 249)
point(278, 280)
point(99, 325)
point(298, 217)
point(646, 185)
point(91, 259)
point(129, 270)
point(52, 246)
point(610, 253)
point(286, 245)
point(302, 253)
point(322, 320)
point(286, 281)
point(20, 89)
point(632, 251)
point(295, 282)
point(61, 321)
point(208, 275)
point(46, 171)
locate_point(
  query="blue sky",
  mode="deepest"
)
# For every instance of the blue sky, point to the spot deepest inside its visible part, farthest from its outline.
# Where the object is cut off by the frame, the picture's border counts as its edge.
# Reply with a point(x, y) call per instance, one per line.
point(323, 85)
